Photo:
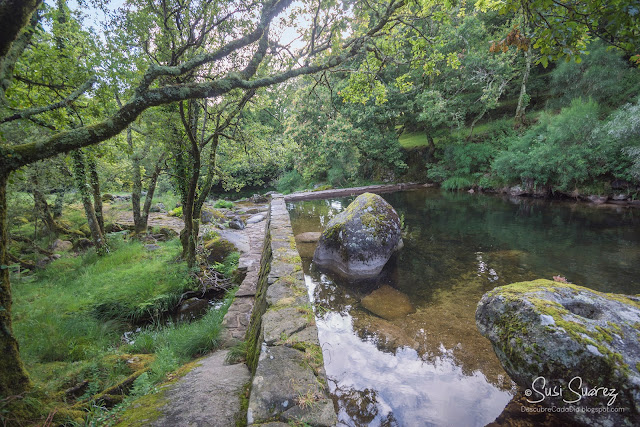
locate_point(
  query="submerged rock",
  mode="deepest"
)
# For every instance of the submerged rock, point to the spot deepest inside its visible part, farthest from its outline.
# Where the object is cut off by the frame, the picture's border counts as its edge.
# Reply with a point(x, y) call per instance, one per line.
point(358, 242)
point(308, 237)
point(549, 334)
point(388, 303)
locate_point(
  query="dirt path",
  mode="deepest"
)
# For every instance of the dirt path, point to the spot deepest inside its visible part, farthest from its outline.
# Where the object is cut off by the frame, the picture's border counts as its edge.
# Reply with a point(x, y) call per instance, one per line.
point(156, 219)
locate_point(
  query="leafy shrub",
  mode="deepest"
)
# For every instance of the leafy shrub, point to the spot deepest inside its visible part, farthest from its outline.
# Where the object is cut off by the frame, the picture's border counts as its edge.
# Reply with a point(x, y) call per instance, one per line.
point(229, 265)
point(289, 182)
point(560, 152)
point(176, 212)
point(604, 75)
point(223, 204)
point(457, 183)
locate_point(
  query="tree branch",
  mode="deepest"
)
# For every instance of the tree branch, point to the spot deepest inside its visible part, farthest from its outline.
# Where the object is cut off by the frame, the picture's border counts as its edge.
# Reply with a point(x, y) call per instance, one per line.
point(25, 114)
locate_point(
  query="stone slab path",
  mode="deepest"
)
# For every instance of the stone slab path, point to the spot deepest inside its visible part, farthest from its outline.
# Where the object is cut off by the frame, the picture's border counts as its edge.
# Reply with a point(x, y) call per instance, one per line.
point(236, 321)
point(209, 395)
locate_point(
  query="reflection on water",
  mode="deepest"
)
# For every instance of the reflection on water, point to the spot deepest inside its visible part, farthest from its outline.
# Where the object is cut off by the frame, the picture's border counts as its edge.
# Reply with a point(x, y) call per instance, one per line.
point(431, 366)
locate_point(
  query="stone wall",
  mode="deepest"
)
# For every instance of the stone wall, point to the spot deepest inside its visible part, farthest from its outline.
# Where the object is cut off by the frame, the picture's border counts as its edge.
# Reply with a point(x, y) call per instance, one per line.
point(289, 383)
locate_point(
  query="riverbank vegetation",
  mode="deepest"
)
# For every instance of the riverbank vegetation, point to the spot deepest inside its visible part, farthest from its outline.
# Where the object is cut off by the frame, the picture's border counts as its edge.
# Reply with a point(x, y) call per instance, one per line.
point(111, 110)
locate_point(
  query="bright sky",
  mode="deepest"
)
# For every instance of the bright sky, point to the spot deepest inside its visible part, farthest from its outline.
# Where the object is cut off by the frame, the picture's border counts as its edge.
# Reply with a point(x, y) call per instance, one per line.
point(95, 16)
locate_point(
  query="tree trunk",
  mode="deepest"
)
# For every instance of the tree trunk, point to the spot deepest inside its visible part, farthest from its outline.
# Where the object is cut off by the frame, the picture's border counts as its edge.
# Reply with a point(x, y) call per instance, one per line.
point(522, 104)
point(95, 187)
point(153, 180)
point(208, 184)
point(188, 236)
point(13, 377)
point(79, 170)
point(43, 211)
point(140, 226)
point(432, 147)
point(58, 205)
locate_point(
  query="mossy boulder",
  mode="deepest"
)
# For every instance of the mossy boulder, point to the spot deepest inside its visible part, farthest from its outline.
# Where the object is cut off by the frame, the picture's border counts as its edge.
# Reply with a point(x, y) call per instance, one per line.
point(209, 215)
point(61, 246)
point(358, 242)
point(218, 250)
point(84, 229)
point(549, 334)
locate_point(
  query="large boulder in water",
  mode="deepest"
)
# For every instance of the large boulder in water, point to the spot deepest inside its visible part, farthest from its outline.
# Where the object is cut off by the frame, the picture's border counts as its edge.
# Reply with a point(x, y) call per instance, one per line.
point(580, 343)
point(359, 241)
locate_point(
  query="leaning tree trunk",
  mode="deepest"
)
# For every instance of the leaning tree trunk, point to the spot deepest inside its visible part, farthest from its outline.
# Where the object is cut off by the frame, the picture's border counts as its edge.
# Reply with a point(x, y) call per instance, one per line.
point(43, 211)
point(95, 188)
point(153, 180)
point(13, 377)
point(522, 103)
point(79, 170)
point(139, 225)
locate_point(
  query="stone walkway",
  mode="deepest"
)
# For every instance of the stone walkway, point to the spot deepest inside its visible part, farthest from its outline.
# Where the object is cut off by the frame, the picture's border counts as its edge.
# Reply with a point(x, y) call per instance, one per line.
point(236, 321)
point(209, 395)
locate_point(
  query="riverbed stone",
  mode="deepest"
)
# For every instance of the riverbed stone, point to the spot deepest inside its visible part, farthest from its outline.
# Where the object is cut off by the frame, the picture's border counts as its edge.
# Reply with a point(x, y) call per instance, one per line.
point(237, 223)
point(218, 249)
point(388, 303)
point(568, 334)
point(282, 376)
point(308, 237)
point(358, 242)
point(255, 219)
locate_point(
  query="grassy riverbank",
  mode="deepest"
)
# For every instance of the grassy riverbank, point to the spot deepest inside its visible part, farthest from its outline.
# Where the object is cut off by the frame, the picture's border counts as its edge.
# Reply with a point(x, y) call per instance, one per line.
point(70, 320)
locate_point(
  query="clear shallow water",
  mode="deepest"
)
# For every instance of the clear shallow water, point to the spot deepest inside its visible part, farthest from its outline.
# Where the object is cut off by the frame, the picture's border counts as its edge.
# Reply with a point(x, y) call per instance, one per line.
point(432, 367)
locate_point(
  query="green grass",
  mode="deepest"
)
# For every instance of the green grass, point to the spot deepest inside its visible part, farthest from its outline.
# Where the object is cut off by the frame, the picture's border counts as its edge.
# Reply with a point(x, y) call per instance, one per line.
point(77, 306)
point(419, 139)
point(223, 204)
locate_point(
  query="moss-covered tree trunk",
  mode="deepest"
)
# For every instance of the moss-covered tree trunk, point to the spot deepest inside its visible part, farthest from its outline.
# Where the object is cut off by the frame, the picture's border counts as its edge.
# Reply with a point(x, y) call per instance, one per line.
point(523, 98)
point(79, 171)
point(94, 180)
point(13, 377)
point(43, 211)
point(208, 184)
point(139, 225)
point(189, 234)
point(151, 188)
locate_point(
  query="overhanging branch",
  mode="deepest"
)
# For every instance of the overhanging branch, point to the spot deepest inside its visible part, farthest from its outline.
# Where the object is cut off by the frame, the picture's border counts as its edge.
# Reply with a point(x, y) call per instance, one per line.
point(25, 114)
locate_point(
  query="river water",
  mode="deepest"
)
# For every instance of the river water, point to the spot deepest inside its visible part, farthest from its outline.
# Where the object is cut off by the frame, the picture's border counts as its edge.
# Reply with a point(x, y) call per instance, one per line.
point(431, 366)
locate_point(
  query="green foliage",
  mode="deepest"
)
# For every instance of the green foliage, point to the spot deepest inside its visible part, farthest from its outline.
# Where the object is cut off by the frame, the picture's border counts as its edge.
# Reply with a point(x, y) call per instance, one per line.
point(223, 204)
point(603, 75)
point(176, 212)
point(229, 265)
point(457, 183)
point(570, 149)
point(290, 182)
point(237, 353)
point(564, 29)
